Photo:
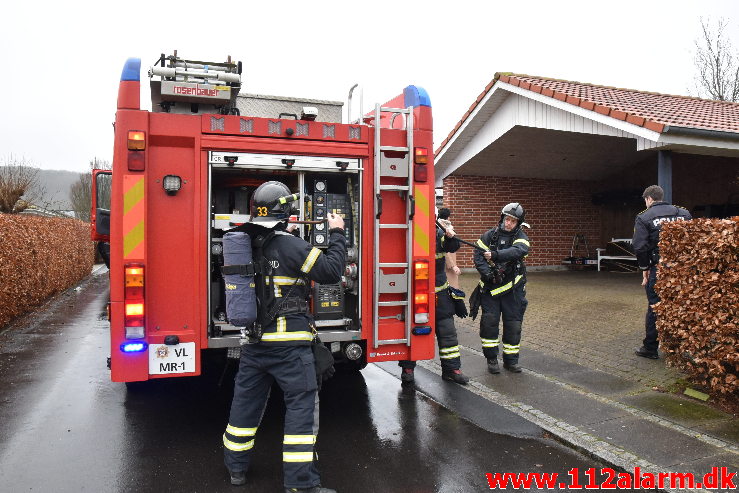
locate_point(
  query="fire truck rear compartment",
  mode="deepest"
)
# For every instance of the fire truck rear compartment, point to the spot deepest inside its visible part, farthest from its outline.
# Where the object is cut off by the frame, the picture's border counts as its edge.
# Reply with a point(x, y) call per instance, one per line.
point(335, 307)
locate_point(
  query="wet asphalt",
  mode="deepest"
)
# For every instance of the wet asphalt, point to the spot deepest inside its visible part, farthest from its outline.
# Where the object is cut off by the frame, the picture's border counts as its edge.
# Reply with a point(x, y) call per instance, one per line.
point(64, 427)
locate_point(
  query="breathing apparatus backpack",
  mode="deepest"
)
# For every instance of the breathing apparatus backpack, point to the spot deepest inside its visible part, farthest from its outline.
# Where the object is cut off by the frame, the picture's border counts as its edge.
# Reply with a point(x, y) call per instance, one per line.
point(238, 273)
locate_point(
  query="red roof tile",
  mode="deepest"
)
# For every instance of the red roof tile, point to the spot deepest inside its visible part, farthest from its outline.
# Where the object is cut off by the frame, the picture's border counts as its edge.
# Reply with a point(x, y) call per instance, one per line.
point(650, 110)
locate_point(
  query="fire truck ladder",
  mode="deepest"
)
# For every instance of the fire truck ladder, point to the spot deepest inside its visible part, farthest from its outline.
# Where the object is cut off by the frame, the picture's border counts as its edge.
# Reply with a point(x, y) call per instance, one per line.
point(387, 170)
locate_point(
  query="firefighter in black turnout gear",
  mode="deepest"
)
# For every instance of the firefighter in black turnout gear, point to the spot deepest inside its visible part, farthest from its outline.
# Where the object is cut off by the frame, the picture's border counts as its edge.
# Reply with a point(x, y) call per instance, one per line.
point(446, 333)
point(286, 264)
point(646, 237)
point(502, 287)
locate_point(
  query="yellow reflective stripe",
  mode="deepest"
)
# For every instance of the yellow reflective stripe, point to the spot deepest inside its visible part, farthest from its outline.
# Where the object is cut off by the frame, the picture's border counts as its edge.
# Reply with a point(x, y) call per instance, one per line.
point(133, 216)
point(297, 456)
point(289, 198)
point(133, 195)
point(240, 432)
point(237, 447)
point(482, 245)
point(510, 351)
point(283, 280)
point(450, 355)
point(440, 255)
point(504, 287)
point(490, 342)
point(448, 349)
point(287, 336)
point(442, 287)
point(521, 240)
point(281, 324)
point(310, 260)
point(299, 440)
point(133, 238)
point(421, 223)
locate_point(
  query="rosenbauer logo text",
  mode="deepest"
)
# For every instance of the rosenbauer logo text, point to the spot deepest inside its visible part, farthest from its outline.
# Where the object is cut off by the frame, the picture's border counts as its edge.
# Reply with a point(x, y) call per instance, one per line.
point(718, 478)
point(194, 91)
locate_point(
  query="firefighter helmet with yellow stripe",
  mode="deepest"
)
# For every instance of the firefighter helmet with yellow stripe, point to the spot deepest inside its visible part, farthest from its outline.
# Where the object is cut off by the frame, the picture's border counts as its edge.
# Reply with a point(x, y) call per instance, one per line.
point(271, 204)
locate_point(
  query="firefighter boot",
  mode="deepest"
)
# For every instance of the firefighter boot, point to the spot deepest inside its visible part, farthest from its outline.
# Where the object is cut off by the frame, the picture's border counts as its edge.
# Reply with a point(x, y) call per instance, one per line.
point(314, 489)
point(512, 367)
point(646, 353)
point(455, 376)
point(407, 377)
point(493, 366)
point(238, 478)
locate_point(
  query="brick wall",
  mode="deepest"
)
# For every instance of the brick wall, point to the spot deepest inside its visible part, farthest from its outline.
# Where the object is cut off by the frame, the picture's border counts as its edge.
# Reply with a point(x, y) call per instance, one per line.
point(555, 209)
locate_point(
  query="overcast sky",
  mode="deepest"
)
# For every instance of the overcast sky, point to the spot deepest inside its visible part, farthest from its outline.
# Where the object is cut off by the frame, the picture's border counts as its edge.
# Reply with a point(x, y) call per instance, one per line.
point(62, 60)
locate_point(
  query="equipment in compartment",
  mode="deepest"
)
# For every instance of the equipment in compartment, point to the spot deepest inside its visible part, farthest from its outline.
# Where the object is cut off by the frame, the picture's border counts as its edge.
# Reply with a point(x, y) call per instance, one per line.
point(328, 301)
point(338, 203)
point(319, 233)
point(324, 203)
point(334, 306)
point(231, 206)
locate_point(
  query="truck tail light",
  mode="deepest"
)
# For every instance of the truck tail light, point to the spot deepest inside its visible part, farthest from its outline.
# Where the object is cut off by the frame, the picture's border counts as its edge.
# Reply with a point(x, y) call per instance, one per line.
point(421, 275)
point(420, 160)
point(136, 140)
point(136, 146)
point(420, 155)
point(421, 308)
point(421, 285)
point(134, 308)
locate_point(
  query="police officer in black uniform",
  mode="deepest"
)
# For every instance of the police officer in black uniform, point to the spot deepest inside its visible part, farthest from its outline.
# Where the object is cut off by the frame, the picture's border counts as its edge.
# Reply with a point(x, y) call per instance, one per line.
point(283, 352)
point(646, 237)
point(446, 333)
point(502, 285)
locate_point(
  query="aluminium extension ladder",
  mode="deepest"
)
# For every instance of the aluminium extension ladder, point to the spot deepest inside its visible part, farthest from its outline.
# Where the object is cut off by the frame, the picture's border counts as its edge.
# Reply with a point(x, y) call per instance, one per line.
point(389, 171)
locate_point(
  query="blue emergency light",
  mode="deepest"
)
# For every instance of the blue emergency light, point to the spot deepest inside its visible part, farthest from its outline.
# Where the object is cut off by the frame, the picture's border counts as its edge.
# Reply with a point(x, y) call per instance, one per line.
point(421, 331)
point(132, 69)
point(134, 347)
point(416, 96)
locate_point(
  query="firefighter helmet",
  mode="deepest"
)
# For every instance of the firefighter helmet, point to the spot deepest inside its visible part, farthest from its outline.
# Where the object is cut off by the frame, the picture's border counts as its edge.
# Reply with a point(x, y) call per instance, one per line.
point(514, 210)
point(271, 204)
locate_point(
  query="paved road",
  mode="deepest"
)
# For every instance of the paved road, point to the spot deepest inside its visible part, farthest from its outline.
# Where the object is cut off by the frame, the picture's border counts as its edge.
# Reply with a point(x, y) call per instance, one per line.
point(65, 427)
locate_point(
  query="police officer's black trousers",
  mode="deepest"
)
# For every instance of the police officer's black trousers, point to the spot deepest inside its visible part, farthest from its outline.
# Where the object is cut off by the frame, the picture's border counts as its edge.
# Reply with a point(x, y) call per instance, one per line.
point(650, 341)
point(293, 369)
point(446, 334)
point(511, 306)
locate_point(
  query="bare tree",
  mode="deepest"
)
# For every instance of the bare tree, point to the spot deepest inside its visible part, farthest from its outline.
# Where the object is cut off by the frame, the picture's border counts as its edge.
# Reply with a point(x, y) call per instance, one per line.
point(80, 193)
point(19, 185)
point(716, 63)
point(80, 196)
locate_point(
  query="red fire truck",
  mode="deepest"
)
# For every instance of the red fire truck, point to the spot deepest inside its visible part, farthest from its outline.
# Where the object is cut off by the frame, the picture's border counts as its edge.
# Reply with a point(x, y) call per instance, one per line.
point(182, 176)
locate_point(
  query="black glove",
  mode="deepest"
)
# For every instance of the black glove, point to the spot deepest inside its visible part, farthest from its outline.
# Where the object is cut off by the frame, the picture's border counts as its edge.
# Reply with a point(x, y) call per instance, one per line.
point(460, 309)
point(475, 302)
point(491, 278)
point(324, 361)
point(330, 372)
point(458, 296)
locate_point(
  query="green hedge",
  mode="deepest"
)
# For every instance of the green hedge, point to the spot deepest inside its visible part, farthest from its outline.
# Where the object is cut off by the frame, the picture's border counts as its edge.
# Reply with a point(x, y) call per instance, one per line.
point(39, 257)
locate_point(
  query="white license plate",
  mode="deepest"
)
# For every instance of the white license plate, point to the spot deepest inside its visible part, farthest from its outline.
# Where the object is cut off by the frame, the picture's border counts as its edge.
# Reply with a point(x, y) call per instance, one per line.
point(172, 359)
